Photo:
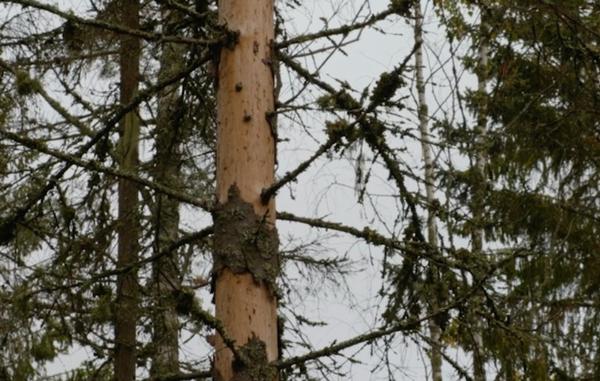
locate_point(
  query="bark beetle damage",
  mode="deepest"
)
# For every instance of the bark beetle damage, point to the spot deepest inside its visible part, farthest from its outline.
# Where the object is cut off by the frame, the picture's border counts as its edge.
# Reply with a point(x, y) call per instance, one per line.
point(244, 242)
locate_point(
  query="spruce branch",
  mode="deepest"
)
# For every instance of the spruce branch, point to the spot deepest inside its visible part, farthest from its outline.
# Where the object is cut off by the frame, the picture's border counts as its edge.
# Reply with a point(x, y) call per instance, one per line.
point(116, 28)
point(8, 226)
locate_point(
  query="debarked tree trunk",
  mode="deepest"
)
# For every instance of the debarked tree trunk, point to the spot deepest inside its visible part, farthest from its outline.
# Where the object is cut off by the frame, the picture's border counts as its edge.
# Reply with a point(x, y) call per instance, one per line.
point(246, 262)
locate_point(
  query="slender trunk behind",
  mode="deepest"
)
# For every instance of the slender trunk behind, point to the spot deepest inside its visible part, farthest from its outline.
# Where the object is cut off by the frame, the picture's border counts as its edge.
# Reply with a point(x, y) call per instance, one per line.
point(477, 237)
point(434, 329)
point(165, 271)
point(128, 228)
point(246, 244)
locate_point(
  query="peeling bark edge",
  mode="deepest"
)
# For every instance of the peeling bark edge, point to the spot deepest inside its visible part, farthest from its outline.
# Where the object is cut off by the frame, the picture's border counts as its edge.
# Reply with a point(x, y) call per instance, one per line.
point(245, 242)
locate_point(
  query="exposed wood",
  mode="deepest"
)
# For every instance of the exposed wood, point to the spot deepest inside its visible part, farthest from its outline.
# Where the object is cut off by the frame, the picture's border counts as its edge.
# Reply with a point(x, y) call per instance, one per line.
point(245, 160)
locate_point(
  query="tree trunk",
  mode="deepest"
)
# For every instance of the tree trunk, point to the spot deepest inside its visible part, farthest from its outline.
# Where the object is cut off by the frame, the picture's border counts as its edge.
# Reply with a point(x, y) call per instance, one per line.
point(245, 252)
point(128, 227)
point(434, 329)
point(479, 193)
point(165, 271)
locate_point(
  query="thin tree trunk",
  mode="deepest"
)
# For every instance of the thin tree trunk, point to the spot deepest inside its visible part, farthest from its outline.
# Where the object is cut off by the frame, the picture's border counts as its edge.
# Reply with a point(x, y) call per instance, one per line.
point(479, 373)
point(434, 329)
point(165, 271)
point(245, 253)
point(128, 228)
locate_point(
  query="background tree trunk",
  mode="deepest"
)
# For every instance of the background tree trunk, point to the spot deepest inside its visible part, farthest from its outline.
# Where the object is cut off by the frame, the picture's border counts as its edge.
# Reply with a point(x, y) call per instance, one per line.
point(165, 271)
point(432, 234)
point(245, 301)
point(128, 227)
point(477, 237)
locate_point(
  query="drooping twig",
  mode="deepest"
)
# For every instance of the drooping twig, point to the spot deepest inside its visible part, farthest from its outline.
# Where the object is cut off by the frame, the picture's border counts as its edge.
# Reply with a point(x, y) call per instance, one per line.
point(186, 240)
point(269, 192)
point(345, 29)
point(96, 166)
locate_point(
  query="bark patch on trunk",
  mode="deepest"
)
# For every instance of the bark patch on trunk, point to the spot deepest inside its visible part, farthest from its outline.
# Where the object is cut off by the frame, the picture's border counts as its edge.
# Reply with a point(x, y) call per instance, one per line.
point(254, 366)
point(244, 241)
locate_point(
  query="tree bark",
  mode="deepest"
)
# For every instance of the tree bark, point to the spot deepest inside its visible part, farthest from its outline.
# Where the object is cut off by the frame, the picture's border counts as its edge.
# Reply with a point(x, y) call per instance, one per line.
point(126, 310)
point(434, 330)
point(165, 271)
point(479, 373)
point(244, 286)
